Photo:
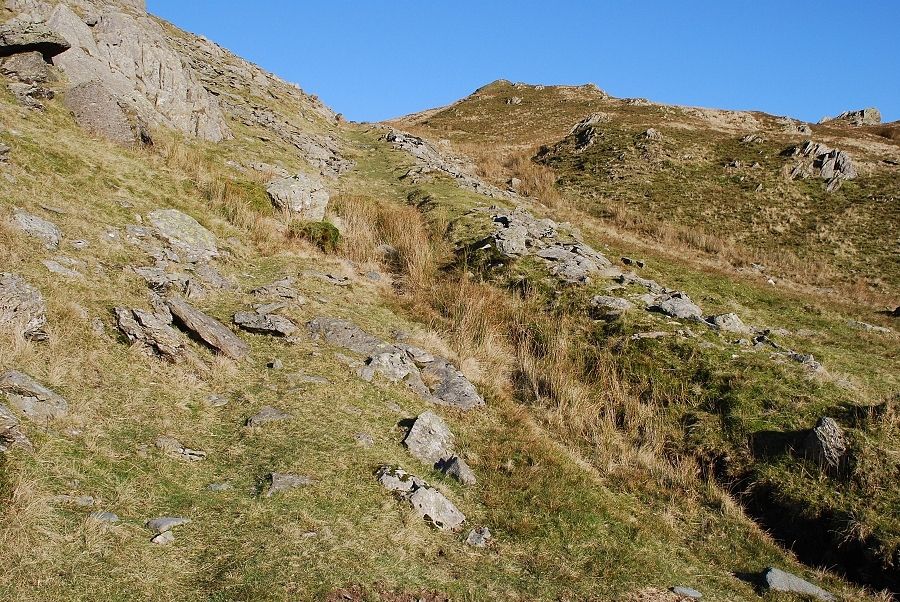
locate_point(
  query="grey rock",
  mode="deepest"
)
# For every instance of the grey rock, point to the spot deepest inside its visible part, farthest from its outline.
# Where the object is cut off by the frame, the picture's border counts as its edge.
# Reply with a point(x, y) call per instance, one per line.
point(219, 487)
point(22, 307)
point(36, 401)
point(173, 447)
point(652, 134)
point(283, 289)
point(686, 592)
point(610, 306)
point(27, 67)
point(162, 524)
point(433, 506)
point(216, 401)
point(728, 323)
point(104, 517)
point(213, 332)
point(346, 334)
point(57, 268)
point(272, 324)
point(396, 367)
point(37, 227)
point(868, 116)
point(656, 334)
point(301, 194)
point(152, 332)
point(808, 361)
point(11, 434)
point(275, 364)
point(677, 305)
point(457, 468)
point(187, 237)
point(397, 480)
point(858, 325)
point(97, 110)
point(780, 581)
point(451, 386)
point(429, 439)
point(163, 539)
point(826, 444)
point(280, 482)
point(479, 537)
point(266, 415)
point(24, 36)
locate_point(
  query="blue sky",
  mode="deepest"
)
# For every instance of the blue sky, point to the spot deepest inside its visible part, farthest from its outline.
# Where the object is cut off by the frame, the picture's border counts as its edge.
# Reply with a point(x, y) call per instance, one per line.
point(378, 59)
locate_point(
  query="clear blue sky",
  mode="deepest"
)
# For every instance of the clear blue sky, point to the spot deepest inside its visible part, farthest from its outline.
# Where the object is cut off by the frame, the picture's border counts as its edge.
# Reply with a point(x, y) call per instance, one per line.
point(377, 59)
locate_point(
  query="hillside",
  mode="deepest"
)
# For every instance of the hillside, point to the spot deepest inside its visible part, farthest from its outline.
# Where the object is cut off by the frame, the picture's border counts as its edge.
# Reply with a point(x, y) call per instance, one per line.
point(251, 351)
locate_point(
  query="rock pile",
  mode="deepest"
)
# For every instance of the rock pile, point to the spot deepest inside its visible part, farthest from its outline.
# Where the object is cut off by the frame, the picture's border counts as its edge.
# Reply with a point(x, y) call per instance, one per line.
point(832, 165)
point(401, 363)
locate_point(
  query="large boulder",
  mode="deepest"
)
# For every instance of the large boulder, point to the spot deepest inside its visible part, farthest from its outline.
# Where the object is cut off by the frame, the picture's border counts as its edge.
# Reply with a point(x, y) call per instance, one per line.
point(98, 111)
point(185, 235)
point(33, 399)
point(303, 195)
point(24, 36)
point(430, 439)
point(21, 307)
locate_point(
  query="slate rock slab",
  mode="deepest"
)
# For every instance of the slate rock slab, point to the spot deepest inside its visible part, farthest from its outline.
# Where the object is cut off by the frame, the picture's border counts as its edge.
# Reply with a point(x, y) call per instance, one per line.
point(429, 439)
point(161, 524)
point(479, 537)
point(25, 36)
point(153, 332)
point(266, 415)
point(781, 581)
point(280, 482)
point(211, 331)
point(826, 444)
point(265, 323)
point(36, 401)
point(37, 227)
point(22, 307)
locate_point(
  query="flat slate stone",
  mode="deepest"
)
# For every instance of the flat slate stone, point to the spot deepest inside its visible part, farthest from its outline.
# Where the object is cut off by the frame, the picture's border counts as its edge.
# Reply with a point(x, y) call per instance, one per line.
point(35, 400)
point(185, 234)
point(781, 581)
point(213, 332)
point(161, 524)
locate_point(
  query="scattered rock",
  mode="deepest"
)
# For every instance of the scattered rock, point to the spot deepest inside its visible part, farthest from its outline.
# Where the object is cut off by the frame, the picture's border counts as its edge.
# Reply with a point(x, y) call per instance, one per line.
point(211, 331)
point(163, 539)
point(832, 165)
point(432, 505)
point(364, 439)
point(430, 439)
point(515, 100)
point(37, 227)
point(11, 434)
point(826, 445)
point(858, 325)
point(686, 592)
point(398, 480)
point(652, 134)
point(36, 401)
point(677, 305)
point(57, 268)
point(280, 482)
point(21, 307)
point(218, 487)
point(302, 194)
point(193, 242)
point(265, 323)
point(780, 581)
point(267, 414)
point(457, 468)
point(728, 323)
point(479, 537)
point(334, 279)
point(283, 289)
point(275, 364)
point(173, 447)
point(163, 524)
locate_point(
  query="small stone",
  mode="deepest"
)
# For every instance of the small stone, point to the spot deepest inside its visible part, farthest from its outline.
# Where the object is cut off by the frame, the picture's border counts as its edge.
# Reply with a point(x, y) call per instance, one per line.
point(163, 524)
point(218, 487)
point(686, 592)
point(398, 480)
point(22, 307)
point(728, 323)
point(457, 468)
point(163, 539)
point(267, 414)
point(479, 537)
point(826, 444)
point(216, 401)
point(280, 482)
point(364, 439)
point(36, 401)
point(104, 517)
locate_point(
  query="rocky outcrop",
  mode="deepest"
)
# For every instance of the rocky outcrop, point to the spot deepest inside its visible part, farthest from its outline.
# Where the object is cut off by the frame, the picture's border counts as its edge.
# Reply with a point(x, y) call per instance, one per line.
point(23, 36)
point(264, 321)
point(867, 116)
point(428, 503)
point(832, 165)
point(303, 195)
point(191, 241)
point(432, 377)
point(153, 332)
point(33, 399)
point(127, 53)
point(99, 112)
point(11, 434)
point(22, 307)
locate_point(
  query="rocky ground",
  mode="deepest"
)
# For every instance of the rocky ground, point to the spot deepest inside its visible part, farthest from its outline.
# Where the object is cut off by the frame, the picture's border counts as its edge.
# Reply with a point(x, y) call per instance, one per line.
point(250, 351)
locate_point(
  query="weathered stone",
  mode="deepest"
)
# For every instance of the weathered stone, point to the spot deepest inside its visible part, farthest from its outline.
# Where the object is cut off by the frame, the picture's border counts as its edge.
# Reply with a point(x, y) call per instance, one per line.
point(826, 445)
point(429, 439)
point(173, 447)
point(610, 306)
point(858, 325)
point(344, 333)
point(280, 482)
point(450, 386)
point(11, 434)
point(364, 439)
point(301, 194)
point(679, 306)
point(211, 331)
point(104, 517)
point(457, 468)
point(98, 111)
point(24, 36)
point(398, 480)
point(432, 505)
point(163, 524)
point(36, 401)
point(686, 592)
point(27, 67)
point(728, 323)
point(479, 537)
point(652, 134)
point(283, 289)
point(38, 227)
point(57, 268)
point(268, 414)
point(163, 539)
point(152, 332)
point(272, 324)
point(396, 367)
point(780, 581)
point(21, 307)
point(868, 116)
point(188, 238)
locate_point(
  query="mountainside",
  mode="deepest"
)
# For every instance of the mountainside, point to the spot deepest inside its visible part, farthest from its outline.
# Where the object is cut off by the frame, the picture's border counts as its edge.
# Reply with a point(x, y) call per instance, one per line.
point(542, 344)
